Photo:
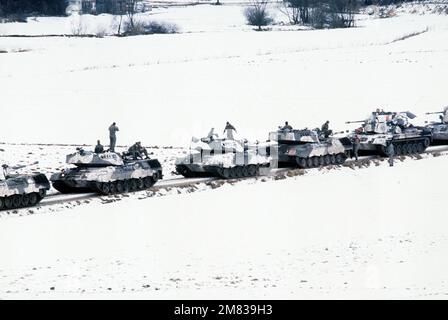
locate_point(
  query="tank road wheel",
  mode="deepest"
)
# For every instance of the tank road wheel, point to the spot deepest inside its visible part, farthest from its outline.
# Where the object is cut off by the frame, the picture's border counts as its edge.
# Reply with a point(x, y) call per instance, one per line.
point(339, 159)
point(126, 185)
point(315, 162)
point(133, 185)
point(333, 159)
point(233, 173)
point(2, 203)
point(426, 143)
point(321, 161)
point(120, 186)
point(34, 199)
point(309, 163)
point(226, 173)
point(113, 187)
point(239, 172)
point(398, 149)
point(415, 148)
point(105, 188)
point(148, 182)
point(16, 201)
point(253, 170)
point(140, 184)
point(245, 171)
point(420, 147)
point(25, 200)
point(404, 149)
point(327, 160)
point(8, 202)
point(301, 162)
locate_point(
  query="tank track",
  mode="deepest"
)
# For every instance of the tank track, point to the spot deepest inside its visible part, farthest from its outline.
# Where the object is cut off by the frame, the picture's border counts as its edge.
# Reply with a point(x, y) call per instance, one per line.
point(408, 147)
point(124, 186)
point(237, 172)
point(315, 162)
point(19, 201)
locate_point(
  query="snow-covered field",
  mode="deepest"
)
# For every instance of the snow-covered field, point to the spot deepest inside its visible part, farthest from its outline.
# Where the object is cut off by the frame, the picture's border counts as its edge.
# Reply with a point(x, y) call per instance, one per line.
point(376, 232)
point(314, 239)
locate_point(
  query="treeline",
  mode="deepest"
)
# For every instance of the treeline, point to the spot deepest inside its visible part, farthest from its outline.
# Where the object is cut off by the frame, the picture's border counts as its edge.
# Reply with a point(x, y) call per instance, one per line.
point(314, 13)
point(322, 13)
point(27, 7)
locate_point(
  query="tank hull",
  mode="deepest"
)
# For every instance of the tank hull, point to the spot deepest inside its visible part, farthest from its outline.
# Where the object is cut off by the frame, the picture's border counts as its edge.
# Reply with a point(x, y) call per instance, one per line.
point(225, 166)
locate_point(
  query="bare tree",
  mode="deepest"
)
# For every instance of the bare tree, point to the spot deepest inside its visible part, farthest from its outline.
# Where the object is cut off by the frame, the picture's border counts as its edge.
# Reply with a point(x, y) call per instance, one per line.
point(299, 10)
point(257, 14)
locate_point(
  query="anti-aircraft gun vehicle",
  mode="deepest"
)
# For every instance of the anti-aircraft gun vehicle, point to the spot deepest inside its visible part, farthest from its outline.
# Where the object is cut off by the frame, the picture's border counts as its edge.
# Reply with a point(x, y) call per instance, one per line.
point(310, 148)
point(382, 128)
point(106, 173)
point(21, 190)
point(224, 158)
point(439, 129)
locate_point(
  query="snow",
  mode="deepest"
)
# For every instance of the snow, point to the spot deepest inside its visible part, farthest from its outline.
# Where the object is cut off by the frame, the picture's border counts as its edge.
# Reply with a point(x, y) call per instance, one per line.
point(177, 86)
point(375, 232)
point(279, 239)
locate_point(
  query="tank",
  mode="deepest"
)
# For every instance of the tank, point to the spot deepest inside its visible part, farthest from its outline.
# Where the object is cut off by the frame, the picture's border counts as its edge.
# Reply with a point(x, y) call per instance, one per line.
point(20, 191)
point(106, 173)
point(224, 158)
point(310, 148)
point(439, 128)
point(382, 128)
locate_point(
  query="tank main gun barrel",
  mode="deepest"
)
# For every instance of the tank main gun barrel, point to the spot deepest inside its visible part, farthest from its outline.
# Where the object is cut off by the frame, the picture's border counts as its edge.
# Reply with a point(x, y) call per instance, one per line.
point(358, 121)
point(438, 112)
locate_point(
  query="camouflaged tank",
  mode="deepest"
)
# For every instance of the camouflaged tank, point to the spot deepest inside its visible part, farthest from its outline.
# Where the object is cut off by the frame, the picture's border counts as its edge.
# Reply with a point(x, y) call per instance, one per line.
point(309, 148)
point(20, 191)
point(439, 129)
point(106, 173)
point(382, 128)
point(224, 158)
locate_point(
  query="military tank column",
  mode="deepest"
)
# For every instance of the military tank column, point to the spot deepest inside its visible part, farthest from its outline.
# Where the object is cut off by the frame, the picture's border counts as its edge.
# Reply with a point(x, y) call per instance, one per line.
point(439, 129)
point(383, 128)
point(21, 191)
point(108, 172)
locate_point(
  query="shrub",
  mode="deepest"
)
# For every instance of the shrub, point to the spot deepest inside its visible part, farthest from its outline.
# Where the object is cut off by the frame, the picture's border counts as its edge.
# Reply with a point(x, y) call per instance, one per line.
point(257, 14)
point(148, 27)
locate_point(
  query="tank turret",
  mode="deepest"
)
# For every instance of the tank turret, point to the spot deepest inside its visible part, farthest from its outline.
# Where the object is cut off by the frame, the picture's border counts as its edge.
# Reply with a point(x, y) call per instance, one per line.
point(83, 158)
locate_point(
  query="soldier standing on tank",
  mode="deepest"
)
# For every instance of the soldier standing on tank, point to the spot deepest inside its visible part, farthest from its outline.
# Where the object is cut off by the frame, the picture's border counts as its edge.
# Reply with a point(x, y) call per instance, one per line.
point(99, 147)
point(286, 127)
point(228, 130)
point(4, 174)
point(113, 136)
point(391, 153)
point(326, 129)
point(356, 143)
